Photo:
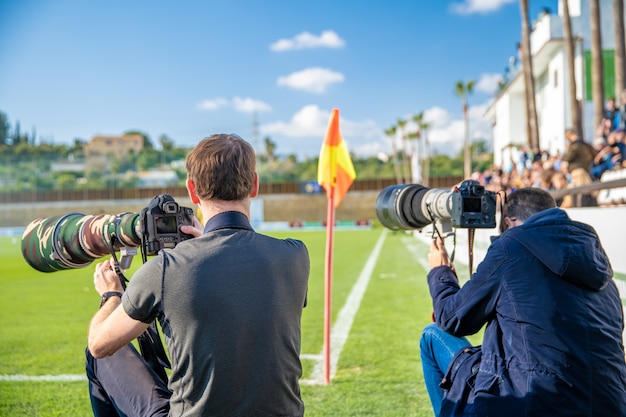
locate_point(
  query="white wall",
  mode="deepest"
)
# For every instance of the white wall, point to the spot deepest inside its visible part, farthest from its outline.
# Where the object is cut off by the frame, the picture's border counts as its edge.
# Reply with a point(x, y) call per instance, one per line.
point(609, 223)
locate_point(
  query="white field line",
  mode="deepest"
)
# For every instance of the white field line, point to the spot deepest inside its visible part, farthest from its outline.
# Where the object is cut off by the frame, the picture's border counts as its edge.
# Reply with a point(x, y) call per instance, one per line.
point(341, 329)
point(44, 378)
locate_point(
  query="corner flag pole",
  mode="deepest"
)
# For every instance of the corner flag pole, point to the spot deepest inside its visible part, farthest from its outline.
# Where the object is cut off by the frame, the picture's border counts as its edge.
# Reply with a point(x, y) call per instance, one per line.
point(328, 279)
point(335, 173)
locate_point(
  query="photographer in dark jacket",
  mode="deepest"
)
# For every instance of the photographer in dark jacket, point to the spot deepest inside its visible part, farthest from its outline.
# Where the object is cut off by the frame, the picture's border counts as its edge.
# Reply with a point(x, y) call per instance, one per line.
point(552, 345)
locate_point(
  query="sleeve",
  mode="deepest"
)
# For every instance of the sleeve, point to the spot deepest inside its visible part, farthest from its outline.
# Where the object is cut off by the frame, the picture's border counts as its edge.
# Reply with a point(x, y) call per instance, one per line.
point(569, 153)
point(142, 298)
point(463, 311)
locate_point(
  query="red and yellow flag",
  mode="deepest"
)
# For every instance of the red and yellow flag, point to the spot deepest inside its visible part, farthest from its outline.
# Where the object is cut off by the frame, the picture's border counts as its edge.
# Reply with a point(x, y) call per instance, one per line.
point(335, 169)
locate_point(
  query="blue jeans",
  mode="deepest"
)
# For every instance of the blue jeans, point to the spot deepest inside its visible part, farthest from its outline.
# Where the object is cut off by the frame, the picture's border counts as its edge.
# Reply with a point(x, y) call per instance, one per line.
point(437, 348)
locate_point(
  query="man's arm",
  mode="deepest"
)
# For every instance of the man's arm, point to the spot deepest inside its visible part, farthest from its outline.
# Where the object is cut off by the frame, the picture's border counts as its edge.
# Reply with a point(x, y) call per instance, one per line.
point(462, 311)
point(111, 328)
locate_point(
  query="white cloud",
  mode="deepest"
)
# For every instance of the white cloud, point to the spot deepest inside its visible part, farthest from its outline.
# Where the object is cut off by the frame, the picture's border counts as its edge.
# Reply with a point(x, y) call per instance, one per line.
point(250, 105)
point(306, 40)
point(311, 121)
point(314, 80)
point(478, 6)
point(488, 83)
point(446, 134)
point(242, 105)
point(213, 104)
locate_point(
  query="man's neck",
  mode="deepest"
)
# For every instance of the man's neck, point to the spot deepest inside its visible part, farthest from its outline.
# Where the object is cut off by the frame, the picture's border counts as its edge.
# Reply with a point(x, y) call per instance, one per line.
point(213, 207)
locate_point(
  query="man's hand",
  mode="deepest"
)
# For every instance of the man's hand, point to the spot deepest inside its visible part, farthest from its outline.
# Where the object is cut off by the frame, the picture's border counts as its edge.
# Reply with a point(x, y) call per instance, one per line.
point(438, 255)
point(106, 279)
point(196, 230)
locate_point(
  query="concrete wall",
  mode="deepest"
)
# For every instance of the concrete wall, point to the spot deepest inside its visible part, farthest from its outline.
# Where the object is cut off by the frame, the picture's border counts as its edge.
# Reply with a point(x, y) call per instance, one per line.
point(607, 221)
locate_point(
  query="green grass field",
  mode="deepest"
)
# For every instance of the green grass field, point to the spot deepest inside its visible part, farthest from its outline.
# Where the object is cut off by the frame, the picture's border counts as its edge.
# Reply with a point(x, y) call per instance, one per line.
point(44, 319)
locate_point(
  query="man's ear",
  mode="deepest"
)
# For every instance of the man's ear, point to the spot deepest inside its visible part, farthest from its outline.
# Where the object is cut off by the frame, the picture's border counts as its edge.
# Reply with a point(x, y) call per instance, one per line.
point(255, 187)
point(191, 190)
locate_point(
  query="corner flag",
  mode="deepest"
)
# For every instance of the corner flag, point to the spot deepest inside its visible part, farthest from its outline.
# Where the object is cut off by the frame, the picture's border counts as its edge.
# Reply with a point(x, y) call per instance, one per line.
point(336, 174)
point(335, 169)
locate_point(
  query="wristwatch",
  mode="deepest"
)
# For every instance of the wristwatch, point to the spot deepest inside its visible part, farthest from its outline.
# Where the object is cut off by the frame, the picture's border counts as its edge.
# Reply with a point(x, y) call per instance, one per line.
point(108, 295)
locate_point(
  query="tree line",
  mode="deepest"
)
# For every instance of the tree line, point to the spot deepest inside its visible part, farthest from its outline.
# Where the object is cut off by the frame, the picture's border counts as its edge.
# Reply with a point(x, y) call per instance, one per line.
point(29, 163)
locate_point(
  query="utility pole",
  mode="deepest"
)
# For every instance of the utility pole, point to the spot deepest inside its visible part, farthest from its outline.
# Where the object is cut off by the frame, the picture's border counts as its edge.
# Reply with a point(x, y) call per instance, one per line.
point(255, 133)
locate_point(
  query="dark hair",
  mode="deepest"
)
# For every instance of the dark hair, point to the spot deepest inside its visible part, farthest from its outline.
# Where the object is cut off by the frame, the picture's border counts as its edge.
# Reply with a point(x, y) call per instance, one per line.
point(222, 167)
point(524, 202)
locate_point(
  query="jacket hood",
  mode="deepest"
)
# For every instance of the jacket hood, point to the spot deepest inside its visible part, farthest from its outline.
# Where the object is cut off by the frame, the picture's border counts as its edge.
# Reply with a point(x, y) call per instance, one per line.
point(570, 249)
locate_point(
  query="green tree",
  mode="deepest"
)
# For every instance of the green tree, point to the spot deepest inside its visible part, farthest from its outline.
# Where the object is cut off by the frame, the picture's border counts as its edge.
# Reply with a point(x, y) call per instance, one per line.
point(167, 147)
point(4, 129)
point(65, 181)
point(463, 90)
point(270, 149)
point(391, 134)
point(406, 167)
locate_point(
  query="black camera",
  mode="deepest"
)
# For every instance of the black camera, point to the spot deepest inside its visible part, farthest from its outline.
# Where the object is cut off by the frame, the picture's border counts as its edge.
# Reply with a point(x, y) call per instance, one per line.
point(414, 206)
point(160, 224)
point(473, 206)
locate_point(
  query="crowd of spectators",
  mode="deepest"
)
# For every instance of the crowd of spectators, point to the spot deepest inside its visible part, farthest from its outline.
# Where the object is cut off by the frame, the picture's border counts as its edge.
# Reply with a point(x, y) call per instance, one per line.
point(582, 162)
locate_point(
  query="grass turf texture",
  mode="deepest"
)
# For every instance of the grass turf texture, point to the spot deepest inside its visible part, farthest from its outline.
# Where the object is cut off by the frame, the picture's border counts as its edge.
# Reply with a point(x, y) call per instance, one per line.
point(44, 319)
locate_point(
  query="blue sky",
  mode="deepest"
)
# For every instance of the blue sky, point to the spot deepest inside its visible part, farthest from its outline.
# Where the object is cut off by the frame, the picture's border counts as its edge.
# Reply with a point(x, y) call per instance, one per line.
point(75, 69)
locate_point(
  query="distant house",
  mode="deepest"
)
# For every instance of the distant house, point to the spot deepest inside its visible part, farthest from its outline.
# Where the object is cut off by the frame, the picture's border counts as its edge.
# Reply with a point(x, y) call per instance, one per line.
point(507, 112)
point(104, 147)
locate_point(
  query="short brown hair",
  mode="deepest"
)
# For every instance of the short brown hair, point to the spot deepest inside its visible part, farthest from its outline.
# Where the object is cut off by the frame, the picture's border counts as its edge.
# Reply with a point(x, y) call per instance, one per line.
point(524, 202)
point(222, 167)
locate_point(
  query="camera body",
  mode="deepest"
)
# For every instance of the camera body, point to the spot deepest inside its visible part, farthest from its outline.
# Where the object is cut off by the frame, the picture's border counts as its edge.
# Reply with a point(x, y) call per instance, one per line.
point(473, 206)
point(414, 206)
point(160, 224)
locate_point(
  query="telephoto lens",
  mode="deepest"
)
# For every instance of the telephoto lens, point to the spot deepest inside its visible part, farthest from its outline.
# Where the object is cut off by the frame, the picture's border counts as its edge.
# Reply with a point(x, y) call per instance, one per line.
point(75, 240)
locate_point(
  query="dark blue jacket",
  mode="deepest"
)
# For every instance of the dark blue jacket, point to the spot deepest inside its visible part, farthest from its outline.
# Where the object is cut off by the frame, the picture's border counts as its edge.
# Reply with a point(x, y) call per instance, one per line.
point(553, 341)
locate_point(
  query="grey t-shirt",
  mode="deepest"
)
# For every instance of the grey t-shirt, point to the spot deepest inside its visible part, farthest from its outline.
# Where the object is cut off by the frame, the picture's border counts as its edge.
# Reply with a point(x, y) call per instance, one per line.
point(230, 304)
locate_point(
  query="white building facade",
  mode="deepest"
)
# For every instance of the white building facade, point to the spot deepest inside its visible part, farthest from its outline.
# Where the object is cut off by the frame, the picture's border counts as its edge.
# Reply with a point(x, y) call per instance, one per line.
point(507, 113)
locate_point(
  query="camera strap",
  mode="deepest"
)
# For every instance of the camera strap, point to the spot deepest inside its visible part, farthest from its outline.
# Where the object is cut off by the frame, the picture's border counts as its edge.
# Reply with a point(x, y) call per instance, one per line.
point(150, 344)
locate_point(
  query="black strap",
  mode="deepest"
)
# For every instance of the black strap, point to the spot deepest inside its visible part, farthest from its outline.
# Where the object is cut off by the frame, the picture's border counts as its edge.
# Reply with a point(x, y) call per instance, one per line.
point(153, 352)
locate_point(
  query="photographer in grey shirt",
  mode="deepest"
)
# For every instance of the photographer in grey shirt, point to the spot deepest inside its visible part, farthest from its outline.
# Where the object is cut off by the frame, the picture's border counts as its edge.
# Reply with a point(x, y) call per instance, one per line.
point(229, 302)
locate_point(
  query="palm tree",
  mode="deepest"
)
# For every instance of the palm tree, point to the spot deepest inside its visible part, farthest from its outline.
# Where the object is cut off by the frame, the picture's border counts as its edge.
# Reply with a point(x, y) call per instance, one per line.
point(406, 168)
point(422, 131)
point(463, 90)
point(270, 148)
point(571, 69)
point(413, 152)
point(529, 80)
point(597, 66)
point(391, 134)
point(620, 48)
